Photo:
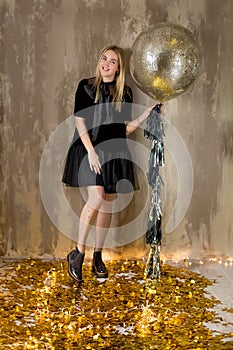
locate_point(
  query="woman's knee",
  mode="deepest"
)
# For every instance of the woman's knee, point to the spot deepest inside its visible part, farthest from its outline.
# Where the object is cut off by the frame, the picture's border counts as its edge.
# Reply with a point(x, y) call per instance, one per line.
point(110, 197)
point(108, 203)
point(96, 196)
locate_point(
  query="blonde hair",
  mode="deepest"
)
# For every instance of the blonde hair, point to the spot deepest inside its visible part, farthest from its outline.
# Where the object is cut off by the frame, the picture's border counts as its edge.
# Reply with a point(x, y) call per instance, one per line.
point(120, 75)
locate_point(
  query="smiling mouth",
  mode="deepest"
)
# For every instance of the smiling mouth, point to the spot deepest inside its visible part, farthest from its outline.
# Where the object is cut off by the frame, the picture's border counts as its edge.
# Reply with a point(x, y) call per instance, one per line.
point(105, 69)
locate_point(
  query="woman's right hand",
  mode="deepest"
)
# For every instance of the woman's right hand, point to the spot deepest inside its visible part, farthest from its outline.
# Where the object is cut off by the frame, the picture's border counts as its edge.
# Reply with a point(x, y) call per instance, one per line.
point(94, 161)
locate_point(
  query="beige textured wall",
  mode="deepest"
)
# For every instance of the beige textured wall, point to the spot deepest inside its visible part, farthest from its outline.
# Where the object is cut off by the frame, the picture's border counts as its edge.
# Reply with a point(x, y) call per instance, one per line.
point(46, 47)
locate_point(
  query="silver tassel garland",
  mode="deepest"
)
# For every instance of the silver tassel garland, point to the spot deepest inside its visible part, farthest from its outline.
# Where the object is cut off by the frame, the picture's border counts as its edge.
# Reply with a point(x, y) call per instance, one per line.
point(155, 132)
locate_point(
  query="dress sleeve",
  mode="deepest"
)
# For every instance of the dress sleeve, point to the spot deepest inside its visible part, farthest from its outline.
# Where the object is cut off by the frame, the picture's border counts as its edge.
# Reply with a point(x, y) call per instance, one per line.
point(127, 105)
point(82, 100)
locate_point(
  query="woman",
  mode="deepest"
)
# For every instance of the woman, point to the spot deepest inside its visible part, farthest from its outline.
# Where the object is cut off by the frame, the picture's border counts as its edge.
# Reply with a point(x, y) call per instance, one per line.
point(98, 157)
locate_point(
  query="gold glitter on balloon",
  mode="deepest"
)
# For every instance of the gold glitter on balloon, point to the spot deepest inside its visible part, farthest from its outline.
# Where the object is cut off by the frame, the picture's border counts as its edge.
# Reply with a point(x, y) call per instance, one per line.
point(162, 87)
point(173, 42)
point(167, 54)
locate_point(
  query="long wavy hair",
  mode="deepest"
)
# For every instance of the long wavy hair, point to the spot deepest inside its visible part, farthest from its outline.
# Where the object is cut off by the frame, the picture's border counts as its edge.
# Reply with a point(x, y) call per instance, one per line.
point(120, 75)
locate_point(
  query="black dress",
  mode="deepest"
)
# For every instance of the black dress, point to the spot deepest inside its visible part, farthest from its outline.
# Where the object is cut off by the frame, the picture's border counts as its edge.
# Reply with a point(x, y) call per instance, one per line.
point(108, 138)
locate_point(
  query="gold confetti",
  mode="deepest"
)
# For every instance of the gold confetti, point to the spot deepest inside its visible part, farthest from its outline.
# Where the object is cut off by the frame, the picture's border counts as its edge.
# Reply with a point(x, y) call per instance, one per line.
point(163, 86)
point(173, 42)
point(42, 308)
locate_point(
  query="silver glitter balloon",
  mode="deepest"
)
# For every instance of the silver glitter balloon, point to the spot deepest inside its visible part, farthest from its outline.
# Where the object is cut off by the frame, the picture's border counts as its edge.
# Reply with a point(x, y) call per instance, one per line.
point(165, 60)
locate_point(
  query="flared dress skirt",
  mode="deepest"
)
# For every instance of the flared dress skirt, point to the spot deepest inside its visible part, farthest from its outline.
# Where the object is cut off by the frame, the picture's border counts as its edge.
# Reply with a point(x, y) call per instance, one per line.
point(117, 169)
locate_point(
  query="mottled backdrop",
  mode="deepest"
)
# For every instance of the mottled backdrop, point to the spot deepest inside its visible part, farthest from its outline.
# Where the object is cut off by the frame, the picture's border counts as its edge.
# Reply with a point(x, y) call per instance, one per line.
point(46, 48)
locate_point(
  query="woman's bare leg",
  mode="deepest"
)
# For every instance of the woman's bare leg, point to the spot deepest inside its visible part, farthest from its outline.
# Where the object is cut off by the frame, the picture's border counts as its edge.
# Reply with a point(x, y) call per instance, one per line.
point(96, 196)
point(75, 258)
point(103, 221)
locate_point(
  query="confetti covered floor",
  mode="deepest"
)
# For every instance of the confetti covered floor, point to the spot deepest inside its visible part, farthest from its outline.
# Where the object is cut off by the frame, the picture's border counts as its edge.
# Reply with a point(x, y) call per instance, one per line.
point(41, 308)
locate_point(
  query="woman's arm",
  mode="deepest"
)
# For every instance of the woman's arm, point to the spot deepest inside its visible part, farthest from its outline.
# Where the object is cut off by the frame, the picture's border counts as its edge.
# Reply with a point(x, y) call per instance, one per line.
point(93, 157)
point(134, 124)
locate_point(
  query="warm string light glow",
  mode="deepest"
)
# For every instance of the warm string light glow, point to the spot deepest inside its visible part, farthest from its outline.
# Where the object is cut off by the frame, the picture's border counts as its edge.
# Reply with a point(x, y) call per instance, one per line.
point(187, 262)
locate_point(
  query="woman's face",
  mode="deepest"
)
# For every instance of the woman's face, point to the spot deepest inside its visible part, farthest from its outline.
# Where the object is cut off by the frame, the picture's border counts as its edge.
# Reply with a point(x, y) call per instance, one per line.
point(108, 65)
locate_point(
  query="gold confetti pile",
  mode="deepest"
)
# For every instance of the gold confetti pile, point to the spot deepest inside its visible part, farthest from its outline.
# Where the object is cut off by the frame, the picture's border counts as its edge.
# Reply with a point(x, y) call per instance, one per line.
point(42, 308)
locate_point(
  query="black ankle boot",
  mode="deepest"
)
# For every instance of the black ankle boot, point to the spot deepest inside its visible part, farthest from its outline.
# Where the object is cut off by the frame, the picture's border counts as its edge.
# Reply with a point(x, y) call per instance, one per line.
point(75, 261)
point(98, 266)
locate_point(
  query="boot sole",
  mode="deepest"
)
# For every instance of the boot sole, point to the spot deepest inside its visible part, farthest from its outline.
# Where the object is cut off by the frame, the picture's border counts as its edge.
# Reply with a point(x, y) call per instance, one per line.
point(99, 274)
point(70, 273)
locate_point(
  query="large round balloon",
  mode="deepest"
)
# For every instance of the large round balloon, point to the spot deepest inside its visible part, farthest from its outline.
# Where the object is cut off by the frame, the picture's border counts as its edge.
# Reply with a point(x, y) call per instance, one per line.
point(165, 60)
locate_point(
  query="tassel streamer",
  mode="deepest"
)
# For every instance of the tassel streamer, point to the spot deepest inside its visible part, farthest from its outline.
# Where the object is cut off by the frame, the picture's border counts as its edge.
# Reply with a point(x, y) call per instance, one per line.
point(155, 132)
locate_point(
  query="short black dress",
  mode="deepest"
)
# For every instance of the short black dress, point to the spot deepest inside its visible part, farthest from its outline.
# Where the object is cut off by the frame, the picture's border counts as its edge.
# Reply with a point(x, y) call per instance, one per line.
point(108, 137)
